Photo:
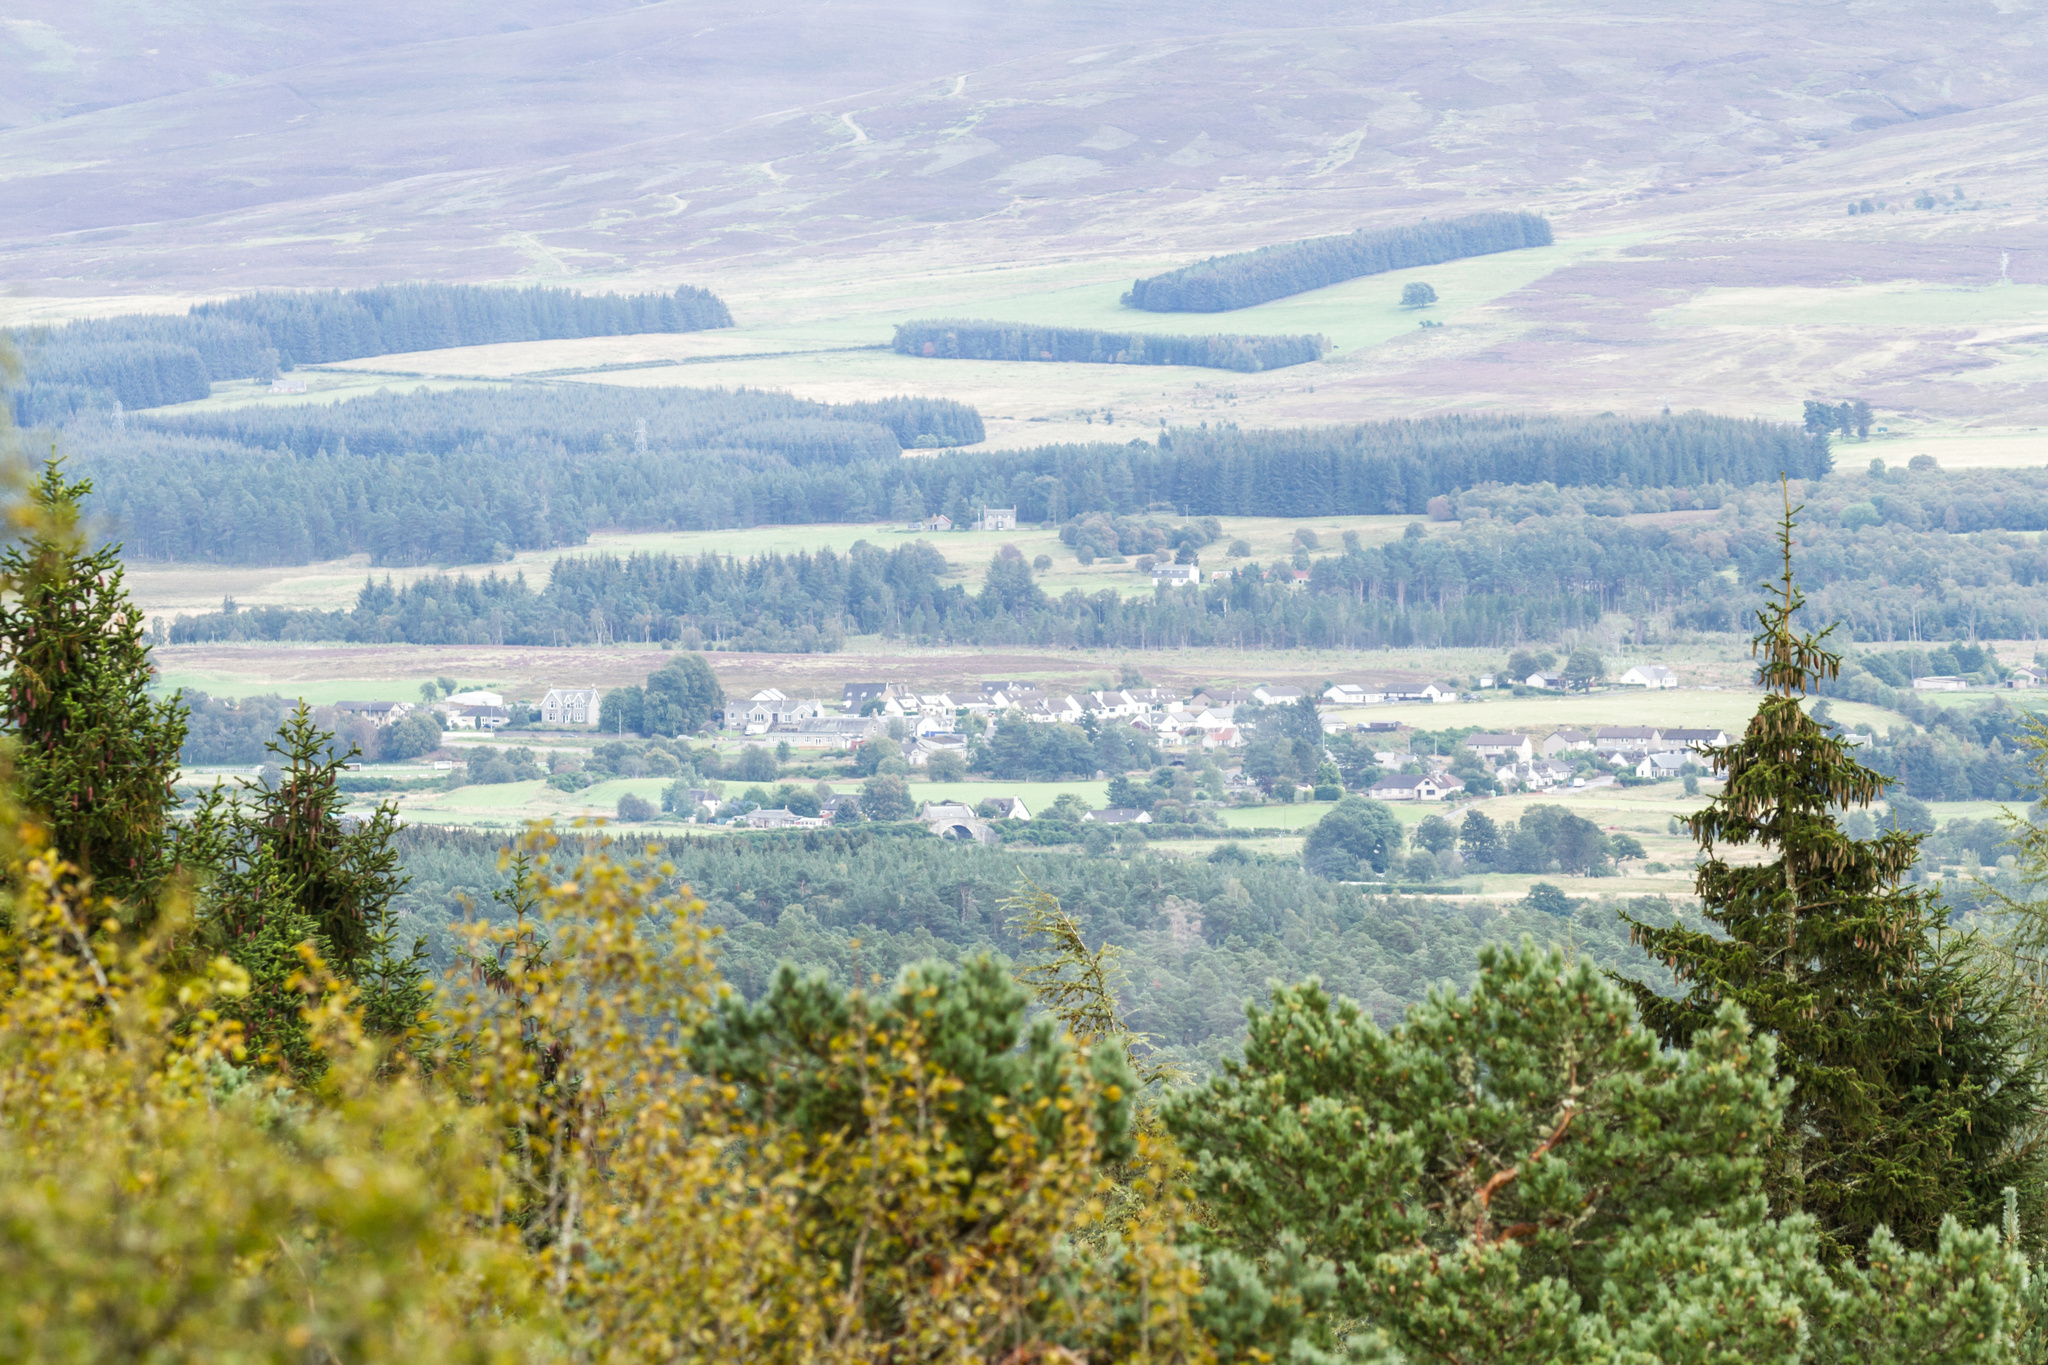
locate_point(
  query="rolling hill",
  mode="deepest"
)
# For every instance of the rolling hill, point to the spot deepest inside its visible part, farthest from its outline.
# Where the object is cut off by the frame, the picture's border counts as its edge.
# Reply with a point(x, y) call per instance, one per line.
point(1698, 162)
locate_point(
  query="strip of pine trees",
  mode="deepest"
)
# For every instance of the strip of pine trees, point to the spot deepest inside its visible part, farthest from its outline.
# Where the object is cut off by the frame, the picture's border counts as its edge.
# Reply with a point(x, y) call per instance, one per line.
point(1222, 283)
point(147, 362)
point(464, 477)
point(970, 339)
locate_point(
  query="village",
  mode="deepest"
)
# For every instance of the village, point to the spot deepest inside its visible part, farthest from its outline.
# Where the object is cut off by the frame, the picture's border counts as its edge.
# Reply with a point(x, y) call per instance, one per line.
point(940, 736)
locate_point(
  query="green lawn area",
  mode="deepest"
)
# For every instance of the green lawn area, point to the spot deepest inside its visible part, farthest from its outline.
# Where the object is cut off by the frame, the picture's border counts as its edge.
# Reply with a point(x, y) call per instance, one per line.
point(1301, 815)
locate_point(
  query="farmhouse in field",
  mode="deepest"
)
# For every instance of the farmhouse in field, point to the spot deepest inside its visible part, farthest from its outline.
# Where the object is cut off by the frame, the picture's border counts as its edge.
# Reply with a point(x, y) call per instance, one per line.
point(1652, 676)
point(1428, 787)
point(996, 519)
point(569, 706)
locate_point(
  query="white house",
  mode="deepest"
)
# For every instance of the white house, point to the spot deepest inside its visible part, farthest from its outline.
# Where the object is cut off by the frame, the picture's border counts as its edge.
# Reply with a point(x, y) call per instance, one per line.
point(1628, 739)
point(1052, 711)
point(378, 713)
point(1697, 740)
point(1543, 772)
point(1008, 807)
point(1175, 574)
point(1566, 740)
point(1513, 748)
point(832, 732)
point(769, 710)
point(1277, 696)
point(1222, 698)
point(2027, 677)
point(782, 819)
point(855, 695)
point(1662, 765)
point(1118, 815)
point(996, 519)
point(1108, 705)
point(569, 706)
point(1149, 699)
point(1548, 681)
point(1649, 675)
point(1940, 684)
point(1349, 694)
point(475, 699)
point(918, 752)
point(1427, 787)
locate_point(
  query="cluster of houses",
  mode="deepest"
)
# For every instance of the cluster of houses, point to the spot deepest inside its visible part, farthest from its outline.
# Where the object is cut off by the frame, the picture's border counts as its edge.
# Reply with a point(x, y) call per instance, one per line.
point(1526, 762)
point(480, 710)
point(458, 711)
point(932, 719)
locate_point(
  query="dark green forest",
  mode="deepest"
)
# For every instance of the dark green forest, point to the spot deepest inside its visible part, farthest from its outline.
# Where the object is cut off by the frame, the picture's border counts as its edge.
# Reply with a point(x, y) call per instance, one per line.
point(461, 477)
point(468, 476)
point(1522, 563)
point(973, 339)
point(1272, 272)
point(1204, 937)
point(139, 361)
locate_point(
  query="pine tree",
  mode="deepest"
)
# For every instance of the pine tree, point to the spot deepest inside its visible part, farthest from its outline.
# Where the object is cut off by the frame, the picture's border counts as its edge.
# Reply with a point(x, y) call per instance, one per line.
point(288, 869)
point(1910, 1092)
point(97, 755)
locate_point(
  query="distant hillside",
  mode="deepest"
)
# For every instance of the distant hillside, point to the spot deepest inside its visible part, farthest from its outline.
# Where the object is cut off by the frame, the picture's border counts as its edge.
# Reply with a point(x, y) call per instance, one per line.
point(261, 142)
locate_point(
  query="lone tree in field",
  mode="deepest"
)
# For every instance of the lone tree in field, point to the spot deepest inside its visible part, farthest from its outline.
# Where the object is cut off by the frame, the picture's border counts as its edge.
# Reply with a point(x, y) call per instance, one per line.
point(1417, 295)
point(97, 754)
point(1910, 1094)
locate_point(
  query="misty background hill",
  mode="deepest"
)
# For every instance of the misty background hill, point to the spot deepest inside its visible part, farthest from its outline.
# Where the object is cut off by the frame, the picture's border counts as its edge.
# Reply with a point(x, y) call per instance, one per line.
point(190, 150)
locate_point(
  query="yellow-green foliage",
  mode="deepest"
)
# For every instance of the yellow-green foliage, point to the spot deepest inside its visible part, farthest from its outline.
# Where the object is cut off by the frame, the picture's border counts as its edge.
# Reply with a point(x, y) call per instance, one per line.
point(159, 1203)
point(674, 1220)
point(560, 1185)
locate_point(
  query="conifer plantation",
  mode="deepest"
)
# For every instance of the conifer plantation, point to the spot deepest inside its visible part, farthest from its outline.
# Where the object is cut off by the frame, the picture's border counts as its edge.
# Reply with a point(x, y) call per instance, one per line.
point(146, 362)
point(1222, 283)
point(973, 339)
point(237, 1123)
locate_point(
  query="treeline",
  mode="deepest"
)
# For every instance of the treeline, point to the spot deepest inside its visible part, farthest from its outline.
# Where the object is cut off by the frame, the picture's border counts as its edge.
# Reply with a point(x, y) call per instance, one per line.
point(587, 419)
point(146, 362)
point(468, 476)
point(977, 340)
point(1488, 582)
point(1240, 280)
point(801, 603)
point(410, 480)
